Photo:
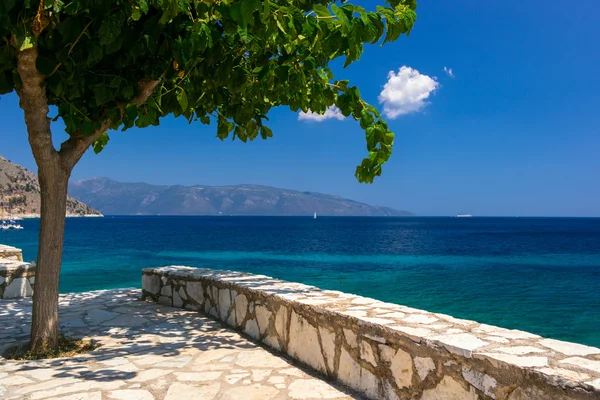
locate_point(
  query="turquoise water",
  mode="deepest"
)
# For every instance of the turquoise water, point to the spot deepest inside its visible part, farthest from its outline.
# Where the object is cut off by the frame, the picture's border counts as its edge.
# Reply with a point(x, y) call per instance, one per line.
point(540, 275)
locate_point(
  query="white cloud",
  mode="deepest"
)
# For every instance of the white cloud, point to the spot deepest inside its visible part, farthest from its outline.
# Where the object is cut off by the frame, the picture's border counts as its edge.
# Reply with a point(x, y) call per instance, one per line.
point(332, 112)
point(406, 92)
point(449, 72)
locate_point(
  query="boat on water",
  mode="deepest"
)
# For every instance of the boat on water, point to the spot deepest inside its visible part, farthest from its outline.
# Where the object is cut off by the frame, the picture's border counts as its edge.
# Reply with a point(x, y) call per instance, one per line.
point(315, 217)
point(10, 225)
point(463, 215)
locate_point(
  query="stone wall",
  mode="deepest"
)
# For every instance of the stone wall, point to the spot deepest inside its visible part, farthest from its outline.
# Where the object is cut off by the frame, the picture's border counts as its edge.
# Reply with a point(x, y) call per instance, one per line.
point(16, 277)
point(10, 253)
point(385, 351)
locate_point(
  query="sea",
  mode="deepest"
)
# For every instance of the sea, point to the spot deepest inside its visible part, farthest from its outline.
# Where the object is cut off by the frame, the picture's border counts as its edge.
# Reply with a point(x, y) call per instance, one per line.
point(541, 275)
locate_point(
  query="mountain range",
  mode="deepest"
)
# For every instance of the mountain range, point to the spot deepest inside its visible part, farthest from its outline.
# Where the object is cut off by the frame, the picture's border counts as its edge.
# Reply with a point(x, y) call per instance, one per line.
point(20, 194)
point(118, 198)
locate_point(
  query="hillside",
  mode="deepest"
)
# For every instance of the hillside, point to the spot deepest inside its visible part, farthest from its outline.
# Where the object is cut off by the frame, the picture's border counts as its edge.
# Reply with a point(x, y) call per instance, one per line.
point(118, 198)
point(20, 193)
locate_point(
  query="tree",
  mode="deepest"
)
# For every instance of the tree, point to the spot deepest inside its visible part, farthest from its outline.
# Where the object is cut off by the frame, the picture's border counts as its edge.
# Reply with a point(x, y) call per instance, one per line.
point(117, 64)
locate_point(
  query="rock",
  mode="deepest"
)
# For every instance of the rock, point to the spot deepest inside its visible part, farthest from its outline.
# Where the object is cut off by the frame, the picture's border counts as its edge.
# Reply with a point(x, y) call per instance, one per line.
point(178, 391)
point(83, 396)
point(151, 283)
point(350, 338)
point(328, 344)
point(497, 358)
point(166, 291)
point(386, 353)
point(177, 302)
point(304, 343)
point(195, 292)
point(570, 349)
point(224, 303)
point(449, 389)
point(401, 367)
point(253, 392)
point(424, 366)
point(130, 394)
point(480, 381)
point(366, 353)
point(150, 374)
point(281, 323)
point(206, 376)
point(583, 363)
point(241, 308)
point(420, 319)
point(519, 350)
point(462, 344)
point(251, 329)
point(263, 315)
point(353, 375)
point(182, 293)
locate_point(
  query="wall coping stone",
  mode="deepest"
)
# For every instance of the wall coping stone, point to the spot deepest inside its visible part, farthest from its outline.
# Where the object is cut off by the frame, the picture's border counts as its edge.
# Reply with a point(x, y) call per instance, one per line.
point(494, 362)
point(11, 266)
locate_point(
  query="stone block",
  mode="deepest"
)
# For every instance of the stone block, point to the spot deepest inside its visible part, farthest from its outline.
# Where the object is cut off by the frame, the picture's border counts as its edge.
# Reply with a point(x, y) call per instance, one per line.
point(224, 303)
point(356, 377)
point(449, 389)
point(195, 292)
point(328, 344)
point(19, 287)
point(241, 309)
point(304, 343)
point(263, 316)
point(151, 283)
point(480, 381)
point(424, 365)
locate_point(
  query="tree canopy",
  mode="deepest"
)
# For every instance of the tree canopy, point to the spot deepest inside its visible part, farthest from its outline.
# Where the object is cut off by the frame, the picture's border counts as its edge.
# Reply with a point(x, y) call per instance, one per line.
point(116, 64)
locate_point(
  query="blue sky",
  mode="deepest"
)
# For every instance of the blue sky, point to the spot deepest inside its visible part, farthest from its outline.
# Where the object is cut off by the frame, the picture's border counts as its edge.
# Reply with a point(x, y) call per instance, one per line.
point(514, 132)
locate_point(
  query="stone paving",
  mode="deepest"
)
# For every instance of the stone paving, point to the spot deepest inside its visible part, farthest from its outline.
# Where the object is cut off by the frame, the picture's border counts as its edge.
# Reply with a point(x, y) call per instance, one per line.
point(149, 351)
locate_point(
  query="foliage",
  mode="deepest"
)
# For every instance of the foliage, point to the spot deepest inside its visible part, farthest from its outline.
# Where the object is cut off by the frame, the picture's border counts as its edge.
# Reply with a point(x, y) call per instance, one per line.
point(224, 60)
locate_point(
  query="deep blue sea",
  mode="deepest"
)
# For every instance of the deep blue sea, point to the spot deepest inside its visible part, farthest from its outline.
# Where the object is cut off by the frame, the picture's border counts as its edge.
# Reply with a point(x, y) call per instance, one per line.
point(537, 274)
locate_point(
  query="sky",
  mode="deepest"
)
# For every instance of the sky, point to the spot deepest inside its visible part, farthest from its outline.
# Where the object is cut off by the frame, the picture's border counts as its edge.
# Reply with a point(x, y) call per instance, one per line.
point(495, 106)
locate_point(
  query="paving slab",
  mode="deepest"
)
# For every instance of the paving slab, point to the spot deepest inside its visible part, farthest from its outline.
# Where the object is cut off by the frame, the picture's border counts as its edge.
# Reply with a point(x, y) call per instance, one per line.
point(150, 352)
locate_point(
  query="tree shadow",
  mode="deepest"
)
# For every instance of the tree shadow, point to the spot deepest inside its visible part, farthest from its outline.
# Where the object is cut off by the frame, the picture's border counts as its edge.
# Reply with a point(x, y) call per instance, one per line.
point(129, 329)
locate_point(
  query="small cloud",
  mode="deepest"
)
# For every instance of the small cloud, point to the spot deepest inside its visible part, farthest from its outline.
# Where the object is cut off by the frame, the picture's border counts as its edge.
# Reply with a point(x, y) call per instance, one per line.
point(449, 72)
point(406, 92)
point(332, 112)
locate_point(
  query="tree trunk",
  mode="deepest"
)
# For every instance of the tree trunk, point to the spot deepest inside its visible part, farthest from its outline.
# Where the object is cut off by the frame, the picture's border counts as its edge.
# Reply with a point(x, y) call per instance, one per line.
point(44, 325)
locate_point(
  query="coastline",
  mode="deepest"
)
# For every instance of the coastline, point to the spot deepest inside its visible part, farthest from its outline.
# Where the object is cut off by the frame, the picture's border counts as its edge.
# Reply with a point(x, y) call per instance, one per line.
point(37, 216)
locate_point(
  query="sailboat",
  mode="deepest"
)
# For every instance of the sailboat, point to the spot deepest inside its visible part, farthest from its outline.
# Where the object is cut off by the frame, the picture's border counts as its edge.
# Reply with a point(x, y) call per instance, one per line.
point(315, 217)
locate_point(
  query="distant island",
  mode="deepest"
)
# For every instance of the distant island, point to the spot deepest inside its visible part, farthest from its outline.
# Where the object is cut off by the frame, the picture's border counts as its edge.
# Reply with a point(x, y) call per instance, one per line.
point(20, 194)
point(118, 198)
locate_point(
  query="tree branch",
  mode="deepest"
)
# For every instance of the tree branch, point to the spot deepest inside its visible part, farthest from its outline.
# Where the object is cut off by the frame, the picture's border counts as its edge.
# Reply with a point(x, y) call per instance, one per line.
point(34, 104)
point(73, 149)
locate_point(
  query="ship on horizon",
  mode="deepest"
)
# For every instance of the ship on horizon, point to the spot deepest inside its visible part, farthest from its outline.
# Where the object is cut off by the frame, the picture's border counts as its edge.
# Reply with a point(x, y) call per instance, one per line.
point(463, 215)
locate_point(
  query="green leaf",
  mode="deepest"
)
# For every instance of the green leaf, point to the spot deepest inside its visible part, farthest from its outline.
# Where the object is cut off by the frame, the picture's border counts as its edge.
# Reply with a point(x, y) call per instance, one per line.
point(247, 9)
point(321, 10)
point(265, 132)
point(110, 29)
point(100, 143)
point(183, 100)
point(101, 93)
